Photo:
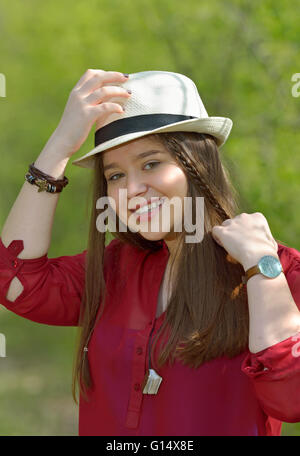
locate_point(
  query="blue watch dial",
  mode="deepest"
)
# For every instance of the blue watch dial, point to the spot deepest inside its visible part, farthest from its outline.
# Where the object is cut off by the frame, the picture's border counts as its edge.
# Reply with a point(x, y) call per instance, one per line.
point(270, 266)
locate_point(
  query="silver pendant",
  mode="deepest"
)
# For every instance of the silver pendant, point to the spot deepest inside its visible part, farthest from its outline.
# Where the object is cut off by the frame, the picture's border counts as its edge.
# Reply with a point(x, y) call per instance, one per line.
point(153, 382)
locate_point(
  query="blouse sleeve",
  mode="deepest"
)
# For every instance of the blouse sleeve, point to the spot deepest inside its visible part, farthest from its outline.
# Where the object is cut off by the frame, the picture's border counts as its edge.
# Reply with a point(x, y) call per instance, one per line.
point(275, 371)
point(53, 287)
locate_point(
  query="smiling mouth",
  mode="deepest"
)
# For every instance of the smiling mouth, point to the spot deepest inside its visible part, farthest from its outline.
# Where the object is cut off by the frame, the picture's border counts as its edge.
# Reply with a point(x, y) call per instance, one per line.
point(147, 208)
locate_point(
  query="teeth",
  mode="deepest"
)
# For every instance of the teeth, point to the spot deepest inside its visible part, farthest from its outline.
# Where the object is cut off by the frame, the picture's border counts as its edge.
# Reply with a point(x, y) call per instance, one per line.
point(148, 207)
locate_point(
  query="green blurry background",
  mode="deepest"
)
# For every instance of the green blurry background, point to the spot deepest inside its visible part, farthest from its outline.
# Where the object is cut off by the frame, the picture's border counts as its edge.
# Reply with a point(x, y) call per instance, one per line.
point(241, 55)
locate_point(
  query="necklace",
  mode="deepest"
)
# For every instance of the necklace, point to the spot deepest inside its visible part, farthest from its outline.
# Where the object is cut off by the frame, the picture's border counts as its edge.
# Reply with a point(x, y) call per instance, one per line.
point(152, 379)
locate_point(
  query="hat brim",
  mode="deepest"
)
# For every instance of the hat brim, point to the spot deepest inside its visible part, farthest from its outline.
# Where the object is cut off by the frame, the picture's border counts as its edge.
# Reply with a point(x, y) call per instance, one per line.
point(219, 127)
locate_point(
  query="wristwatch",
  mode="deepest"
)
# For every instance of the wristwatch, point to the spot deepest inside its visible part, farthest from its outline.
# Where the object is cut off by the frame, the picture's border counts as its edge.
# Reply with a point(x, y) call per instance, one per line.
point(268, 265)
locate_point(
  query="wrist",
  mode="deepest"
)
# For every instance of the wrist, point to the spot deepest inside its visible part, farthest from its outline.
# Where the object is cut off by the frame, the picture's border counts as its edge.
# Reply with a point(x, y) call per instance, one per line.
point(50, 161)
point(253, 258)
point(60, 144)
point(64, 144)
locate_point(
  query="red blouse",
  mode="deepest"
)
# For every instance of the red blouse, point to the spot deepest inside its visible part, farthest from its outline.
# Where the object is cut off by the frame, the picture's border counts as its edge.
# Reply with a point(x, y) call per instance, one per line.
point(247, 395)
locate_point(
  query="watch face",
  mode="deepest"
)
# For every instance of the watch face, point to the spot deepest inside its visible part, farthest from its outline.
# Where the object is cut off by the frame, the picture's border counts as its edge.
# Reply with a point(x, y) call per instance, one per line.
point(270, 266)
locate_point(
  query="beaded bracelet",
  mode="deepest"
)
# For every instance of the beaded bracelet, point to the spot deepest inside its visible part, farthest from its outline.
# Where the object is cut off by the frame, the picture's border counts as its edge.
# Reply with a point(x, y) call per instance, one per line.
point(45, 182)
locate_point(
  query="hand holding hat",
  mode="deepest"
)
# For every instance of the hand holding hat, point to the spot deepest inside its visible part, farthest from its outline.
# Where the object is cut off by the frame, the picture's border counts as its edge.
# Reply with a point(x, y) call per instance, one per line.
point(89, 100)
point(161, 101)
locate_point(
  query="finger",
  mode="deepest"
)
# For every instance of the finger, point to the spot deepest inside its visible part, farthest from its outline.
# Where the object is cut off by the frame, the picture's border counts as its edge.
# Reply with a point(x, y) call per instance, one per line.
point(226, 222)
point(215, 237)
point(100, 78)
point(87, 75)
point(105, 93)
point(107, 108)
point(217, 240)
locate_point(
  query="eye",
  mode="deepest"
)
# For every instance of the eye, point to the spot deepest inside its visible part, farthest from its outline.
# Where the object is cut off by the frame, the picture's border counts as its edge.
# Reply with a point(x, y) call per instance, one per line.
point(152, 163)
point(111, 178)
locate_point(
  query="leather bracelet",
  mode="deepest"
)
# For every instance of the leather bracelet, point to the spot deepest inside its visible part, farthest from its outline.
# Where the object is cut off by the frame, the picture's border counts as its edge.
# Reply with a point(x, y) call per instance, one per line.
point(45, 182)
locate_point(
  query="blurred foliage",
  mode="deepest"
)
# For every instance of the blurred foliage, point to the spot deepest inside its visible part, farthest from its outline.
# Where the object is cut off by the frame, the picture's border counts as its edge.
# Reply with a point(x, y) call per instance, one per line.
point(241, 55)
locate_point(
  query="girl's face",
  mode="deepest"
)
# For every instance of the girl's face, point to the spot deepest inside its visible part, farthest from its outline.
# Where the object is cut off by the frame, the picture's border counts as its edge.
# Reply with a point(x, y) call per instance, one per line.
point(146, 172)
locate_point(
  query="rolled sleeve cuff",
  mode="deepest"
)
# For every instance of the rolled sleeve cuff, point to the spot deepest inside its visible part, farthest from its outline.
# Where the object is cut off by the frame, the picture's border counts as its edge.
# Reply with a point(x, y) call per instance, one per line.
point(275, 362)
point(9, 256)
point(275, 373)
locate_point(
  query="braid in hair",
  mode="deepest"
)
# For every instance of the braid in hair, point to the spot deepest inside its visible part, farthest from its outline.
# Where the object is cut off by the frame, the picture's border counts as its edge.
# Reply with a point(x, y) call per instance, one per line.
point(192, 171)
point(194, 174)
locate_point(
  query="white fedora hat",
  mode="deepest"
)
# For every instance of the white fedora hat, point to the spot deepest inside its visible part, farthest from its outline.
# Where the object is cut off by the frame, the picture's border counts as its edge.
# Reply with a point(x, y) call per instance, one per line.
point(161, 101)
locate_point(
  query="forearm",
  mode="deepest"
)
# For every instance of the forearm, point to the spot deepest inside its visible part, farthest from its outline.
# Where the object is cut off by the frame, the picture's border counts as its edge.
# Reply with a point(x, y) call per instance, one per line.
point(31, 216)
point(273, 313)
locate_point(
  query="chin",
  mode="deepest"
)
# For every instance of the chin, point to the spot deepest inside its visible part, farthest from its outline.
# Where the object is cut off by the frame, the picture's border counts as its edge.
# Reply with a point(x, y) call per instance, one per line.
point(152, 236)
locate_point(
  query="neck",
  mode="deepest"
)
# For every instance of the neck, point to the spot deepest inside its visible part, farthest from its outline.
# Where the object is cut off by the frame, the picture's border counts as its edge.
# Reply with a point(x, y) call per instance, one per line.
point(171, 241)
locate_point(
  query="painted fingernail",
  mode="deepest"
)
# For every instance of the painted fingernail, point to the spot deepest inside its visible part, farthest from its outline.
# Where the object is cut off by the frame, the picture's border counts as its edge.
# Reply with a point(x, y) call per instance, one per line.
point(129, 91)
point(126, 75)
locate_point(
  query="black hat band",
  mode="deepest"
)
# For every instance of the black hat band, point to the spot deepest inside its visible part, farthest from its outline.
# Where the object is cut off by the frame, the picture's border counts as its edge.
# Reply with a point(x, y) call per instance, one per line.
point(145, 122)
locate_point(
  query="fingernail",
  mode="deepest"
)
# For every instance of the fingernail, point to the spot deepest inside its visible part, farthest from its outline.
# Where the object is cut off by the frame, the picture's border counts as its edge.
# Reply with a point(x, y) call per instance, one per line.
point(126, 75)
point(129, 91)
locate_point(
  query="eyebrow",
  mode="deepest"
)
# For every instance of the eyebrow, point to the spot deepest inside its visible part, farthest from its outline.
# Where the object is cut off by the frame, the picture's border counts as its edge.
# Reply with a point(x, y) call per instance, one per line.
point(138, 157)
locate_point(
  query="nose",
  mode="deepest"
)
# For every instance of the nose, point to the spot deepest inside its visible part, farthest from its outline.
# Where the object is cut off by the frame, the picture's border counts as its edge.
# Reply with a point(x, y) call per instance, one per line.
point(136, 186)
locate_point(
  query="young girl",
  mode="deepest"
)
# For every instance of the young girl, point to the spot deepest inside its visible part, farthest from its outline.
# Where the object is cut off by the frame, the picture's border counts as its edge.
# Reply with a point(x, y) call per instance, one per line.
point(179, 333)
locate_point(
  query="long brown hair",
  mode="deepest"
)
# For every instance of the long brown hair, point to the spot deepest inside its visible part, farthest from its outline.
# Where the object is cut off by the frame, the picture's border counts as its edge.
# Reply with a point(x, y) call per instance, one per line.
point(207, 311)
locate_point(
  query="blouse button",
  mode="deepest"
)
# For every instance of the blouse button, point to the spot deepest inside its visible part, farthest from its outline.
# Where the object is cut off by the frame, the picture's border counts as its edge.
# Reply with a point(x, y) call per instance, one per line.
point(15, 263)
point(137, 386)
point(139, 350)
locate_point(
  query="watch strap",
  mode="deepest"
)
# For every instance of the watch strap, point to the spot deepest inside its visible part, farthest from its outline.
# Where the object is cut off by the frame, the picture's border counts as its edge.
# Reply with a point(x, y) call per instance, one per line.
point(249, 273)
